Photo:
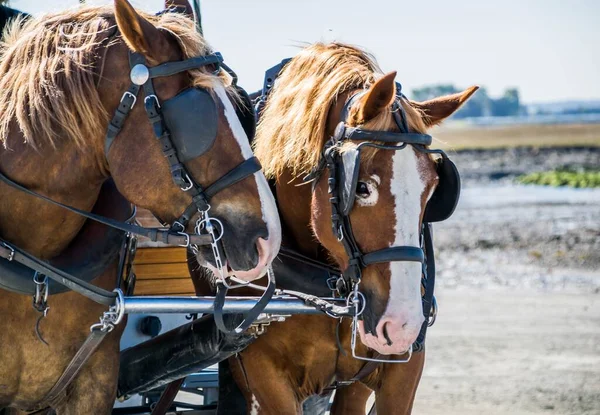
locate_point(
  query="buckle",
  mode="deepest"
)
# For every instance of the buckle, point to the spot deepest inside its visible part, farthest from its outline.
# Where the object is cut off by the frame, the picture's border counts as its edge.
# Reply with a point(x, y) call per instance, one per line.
point(182, 233)
point(11, 256)
point(155, 99)
point(129, 94)
point(189, 185)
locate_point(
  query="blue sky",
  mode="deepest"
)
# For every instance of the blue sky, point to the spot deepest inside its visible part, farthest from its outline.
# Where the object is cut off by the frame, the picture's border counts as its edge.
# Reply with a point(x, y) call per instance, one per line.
point(549, 49)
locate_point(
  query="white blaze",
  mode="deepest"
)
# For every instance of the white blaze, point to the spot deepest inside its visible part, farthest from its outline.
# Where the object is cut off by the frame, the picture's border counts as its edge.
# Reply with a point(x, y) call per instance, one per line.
point(268, 207)
point(405, 285)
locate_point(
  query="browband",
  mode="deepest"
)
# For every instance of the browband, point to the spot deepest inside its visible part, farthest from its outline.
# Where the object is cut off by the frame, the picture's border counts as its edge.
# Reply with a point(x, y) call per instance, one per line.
point(172, 68)
point(393, 254)
point(355, 133)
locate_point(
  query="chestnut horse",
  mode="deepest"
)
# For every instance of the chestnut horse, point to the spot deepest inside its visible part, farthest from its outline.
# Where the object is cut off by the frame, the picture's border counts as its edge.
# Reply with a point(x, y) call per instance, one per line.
point(300, 357)
point(62, 78)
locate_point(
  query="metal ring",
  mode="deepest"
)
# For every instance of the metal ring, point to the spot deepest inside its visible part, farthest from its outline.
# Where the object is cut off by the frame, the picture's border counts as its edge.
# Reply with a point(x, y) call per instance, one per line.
point(119, 306)
point(207, 220)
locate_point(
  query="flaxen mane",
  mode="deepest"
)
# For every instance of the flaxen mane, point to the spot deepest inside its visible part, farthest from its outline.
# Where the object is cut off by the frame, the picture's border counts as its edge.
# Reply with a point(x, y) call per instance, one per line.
point(47, 71)
point(291, 132)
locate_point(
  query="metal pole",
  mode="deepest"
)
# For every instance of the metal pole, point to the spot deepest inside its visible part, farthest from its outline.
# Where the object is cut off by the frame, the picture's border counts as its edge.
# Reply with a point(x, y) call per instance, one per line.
point(205, 305)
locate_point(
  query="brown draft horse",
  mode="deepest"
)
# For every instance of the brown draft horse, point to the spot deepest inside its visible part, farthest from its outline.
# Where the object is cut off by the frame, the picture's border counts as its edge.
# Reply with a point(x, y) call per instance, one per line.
point(300, 357)
point(61, 77)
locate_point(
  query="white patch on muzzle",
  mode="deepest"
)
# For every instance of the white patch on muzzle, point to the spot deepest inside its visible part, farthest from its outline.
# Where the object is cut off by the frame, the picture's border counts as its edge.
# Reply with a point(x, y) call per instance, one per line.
point(270, 215)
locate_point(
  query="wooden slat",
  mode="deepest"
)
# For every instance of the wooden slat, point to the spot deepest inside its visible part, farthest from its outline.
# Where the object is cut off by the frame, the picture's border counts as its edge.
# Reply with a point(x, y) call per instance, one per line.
point(182, 286)
point(160, 255)
point(156, 271)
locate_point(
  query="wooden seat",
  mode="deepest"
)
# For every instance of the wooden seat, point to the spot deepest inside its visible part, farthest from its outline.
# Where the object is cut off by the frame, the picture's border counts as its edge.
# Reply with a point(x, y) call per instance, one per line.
point(160, 269)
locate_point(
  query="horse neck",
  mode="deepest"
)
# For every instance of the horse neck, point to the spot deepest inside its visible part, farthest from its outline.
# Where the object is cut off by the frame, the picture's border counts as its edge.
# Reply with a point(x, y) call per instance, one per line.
point(66, 174)
point(294, 202)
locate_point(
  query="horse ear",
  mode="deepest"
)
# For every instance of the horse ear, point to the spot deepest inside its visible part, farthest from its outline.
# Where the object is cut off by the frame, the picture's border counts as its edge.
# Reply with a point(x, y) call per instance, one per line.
point(183, 5)
point(438, 109)
point(379, 97)
point(139, 34)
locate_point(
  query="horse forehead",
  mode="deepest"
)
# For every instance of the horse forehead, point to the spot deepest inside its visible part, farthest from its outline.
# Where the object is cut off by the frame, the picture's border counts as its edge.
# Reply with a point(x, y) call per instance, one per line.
point(408, 180)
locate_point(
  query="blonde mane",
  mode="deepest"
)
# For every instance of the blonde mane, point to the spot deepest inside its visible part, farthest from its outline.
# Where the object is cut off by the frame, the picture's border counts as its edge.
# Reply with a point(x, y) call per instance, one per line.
point(292, 129)
point(47, 72)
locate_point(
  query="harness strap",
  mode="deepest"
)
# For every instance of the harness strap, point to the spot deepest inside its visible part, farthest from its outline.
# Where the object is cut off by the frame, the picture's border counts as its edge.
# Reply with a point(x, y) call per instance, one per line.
point(246, 168)
point(155, 235)
point(73, 368)
point(250, 316)
point(167, 397)
point(99, 295)
point(369, 367)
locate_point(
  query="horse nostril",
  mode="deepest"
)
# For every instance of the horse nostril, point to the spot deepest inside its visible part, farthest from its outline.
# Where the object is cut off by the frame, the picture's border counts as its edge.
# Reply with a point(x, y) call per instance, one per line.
point(386, 335)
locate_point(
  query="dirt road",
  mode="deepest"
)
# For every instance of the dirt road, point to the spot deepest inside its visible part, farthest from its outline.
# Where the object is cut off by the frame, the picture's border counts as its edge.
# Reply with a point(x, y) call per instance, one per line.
point(518, 286)
point(508, 352)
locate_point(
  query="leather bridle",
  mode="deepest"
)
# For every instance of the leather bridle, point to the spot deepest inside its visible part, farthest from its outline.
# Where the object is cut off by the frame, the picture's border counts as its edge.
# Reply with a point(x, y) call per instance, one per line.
point(141, 77)
point(351, 277)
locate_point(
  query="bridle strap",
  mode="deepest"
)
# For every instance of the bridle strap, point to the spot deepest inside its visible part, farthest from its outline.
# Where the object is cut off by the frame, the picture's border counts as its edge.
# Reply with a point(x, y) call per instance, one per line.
point(429, 285)
point(245, 169)
point(353, 133)
point(172, 68)
point(396, 253)
point(125, 106)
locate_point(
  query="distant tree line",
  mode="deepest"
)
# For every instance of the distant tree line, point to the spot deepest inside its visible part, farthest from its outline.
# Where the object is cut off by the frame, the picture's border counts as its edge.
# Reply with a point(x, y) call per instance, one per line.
point(479, 105)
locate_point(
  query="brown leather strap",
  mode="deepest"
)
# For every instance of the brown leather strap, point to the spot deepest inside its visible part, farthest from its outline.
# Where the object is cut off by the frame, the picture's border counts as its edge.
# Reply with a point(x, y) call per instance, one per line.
point(75, 365)
point(167, 397)
point(369, 367)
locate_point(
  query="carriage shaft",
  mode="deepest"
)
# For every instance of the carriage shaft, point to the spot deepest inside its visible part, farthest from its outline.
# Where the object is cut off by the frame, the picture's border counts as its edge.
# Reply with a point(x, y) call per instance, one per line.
point(205, 305)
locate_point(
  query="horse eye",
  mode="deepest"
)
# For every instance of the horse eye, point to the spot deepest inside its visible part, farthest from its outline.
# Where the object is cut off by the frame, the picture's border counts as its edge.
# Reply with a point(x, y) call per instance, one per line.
point(362, 189)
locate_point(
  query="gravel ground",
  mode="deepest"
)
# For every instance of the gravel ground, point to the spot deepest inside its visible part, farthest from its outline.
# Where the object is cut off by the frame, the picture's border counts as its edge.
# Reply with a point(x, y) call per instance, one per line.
point(519, 292)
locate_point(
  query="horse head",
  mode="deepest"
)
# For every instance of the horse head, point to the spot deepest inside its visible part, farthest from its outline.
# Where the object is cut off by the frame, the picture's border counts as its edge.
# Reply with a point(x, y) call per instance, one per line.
point(377, 198)
point(200, 111)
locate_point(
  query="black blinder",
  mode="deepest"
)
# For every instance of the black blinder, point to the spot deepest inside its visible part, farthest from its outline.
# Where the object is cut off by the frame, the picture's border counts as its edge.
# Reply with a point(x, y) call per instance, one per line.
point(245, 113)
point(191, 117)
point(442, 203)
point(348, 179)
